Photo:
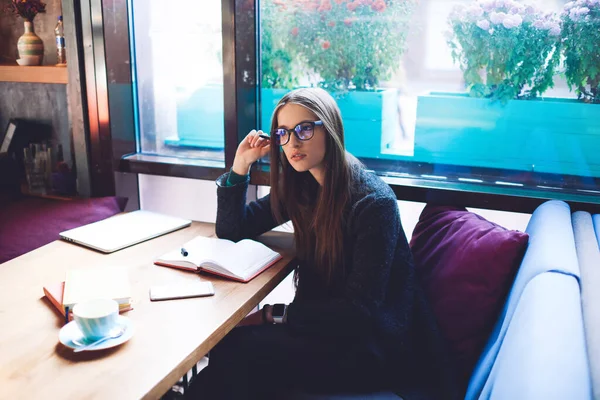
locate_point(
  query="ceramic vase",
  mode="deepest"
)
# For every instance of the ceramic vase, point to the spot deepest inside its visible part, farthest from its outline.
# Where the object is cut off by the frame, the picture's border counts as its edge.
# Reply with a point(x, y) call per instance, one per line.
point(30, 46)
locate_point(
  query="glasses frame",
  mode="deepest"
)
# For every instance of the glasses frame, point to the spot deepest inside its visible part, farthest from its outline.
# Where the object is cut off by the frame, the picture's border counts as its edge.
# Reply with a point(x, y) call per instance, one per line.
point(295, 131)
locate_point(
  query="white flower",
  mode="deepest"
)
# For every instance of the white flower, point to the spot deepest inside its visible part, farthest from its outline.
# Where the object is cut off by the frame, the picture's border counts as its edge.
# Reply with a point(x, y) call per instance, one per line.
point(484, 24)
point(474, 12)
point(517, 19)
point(512, 21)
point(458, 12)
point(530, 10)
point(487, 5)
point(578, 13)
point(539, 24)
point(555, 29)
point(500, 3)
point(497, 17)
point(569, 5)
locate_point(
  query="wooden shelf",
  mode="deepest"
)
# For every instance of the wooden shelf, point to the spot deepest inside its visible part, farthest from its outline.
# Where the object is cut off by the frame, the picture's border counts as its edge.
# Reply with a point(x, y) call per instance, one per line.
point(39, 74)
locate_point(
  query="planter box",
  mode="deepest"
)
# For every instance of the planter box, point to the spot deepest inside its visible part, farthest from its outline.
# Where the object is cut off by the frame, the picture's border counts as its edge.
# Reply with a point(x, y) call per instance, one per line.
point(200, 120)
point(559, 136)
point(369, 118)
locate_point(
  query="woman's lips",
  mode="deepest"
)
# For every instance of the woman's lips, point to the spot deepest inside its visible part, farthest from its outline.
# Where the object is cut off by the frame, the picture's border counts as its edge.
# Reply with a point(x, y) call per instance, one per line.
point(298, 157)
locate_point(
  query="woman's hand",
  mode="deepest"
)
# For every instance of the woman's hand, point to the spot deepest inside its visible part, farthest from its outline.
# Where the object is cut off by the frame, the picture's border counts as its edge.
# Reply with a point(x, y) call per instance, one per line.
point(250, 150)
point(255, 318)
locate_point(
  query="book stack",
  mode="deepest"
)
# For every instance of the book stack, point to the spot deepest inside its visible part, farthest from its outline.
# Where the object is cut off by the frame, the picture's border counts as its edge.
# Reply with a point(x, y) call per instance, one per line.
point(87, 284)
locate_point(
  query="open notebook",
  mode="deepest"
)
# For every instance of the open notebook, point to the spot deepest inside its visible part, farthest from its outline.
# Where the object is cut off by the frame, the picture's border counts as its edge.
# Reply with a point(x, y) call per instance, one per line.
point(239, 261)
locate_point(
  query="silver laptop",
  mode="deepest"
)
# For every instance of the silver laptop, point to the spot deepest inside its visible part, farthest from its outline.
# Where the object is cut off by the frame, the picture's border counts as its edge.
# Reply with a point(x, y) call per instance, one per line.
point(124, 230)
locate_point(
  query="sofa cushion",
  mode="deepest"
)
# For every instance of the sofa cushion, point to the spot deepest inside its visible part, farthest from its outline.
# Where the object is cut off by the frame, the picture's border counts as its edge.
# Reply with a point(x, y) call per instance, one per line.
point(466, 265)
point(32, 222)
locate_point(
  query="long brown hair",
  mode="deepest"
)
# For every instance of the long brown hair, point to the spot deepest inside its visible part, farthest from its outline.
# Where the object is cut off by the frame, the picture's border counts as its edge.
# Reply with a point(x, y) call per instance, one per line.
point(317, 213)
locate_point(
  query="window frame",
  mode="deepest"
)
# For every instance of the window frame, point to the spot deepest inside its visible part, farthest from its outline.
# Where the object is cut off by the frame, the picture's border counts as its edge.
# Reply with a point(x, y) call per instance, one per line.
point(116, 59)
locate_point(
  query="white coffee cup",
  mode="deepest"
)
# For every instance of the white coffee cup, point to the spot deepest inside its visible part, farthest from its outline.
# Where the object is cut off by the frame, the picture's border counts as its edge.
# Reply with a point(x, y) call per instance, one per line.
point(96, 318)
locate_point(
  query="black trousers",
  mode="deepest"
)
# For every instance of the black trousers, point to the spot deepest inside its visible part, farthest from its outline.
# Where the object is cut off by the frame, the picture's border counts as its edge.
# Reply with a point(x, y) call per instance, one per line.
point(268, 361)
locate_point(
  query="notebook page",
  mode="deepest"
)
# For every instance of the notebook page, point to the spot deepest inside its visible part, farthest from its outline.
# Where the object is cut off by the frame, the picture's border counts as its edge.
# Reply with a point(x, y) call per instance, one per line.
point(246, 257)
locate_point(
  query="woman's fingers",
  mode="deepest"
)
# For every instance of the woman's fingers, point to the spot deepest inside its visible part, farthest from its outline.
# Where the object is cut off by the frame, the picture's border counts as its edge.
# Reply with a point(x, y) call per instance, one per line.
point(255, 140)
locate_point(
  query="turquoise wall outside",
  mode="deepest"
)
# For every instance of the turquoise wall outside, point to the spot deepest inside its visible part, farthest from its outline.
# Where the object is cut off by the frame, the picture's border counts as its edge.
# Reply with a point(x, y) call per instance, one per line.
point(200, 120)
point(558, 136)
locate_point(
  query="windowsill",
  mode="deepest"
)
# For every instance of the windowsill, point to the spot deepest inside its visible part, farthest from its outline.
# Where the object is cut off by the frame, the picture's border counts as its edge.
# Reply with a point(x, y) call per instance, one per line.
point(421, 185)
point(194, 168)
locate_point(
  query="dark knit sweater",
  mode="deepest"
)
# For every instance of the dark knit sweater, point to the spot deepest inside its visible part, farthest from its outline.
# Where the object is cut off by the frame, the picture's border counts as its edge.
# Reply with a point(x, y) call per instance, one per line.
point(380, 299)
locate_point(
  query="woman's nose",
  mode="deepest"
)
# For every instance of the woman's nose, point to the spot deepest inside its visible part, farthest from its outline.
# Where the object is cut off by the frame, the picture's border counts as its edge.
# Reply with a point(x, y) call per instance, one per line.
point(294, 141)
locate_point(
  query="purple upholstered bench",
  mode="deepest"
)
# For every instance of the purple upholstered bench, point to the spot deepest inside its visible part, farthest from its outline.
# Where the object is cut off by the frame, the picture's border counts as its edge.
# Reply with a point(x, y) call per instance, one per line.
point(27, 223)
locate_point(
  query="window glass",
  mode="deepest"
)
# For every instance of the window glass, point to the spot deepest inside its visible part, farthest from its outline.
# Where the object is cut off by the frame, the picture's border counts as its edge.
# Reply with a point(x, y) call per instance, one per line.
point(500, 96)
point(179, 78)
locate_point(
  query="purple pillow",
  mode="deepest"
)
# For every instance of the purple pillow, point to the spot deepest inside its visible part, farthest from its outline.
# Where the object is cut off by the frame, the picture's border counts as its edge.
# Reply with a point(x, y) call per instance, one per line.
point(32, 222)
point(466, 266)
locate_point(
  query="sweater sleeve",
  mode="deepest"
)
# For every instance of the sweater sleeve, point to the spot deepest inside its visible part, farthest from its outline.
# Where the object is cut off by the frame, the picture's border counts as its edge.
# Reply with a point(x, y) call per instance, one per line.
point(237, 220)
point(233, 178)
point(376, 230)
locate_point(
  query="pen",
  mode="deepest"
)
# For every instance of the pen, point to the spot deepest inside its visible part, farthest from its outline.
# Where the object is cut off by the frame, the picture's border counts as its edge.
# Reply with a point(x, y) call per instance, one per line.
point(184, 252)
point(262, 135)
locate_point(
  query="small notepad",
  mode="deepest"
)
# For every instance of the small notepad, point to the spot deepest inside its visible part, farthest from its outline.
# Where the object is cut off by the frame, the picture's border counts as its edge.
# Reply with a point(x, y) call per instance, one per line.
point(110, 282)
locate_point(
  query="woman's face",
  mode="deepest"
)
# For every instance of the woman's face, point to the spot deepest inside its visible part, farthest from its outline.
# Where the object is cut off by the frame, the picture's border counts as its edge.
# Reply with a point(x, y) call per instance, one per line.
point(303, 155)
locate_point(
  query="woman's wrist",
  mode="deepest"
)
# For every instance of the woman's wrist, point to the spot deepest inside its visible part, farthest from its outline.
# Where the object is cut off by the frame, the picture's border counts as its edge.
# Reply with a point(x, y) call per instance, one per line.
point(267, 314)
point(240, 167)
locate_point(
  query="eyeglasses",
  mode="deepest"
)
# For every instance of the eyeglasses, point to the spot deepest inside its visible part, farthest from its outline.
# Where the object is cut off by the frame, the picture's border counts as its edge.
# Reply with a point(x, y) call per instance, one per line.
point(303, 131)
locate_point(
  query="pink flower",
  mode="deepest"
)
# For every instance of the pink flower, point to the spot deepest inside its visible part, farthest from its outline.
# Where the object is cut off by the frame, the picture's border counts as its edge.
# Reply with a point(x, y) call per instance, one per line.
point(348, 21)
point(325, 45)
point(352, 6)
point(325, 6)
point(331, 23)
point(295, 31)
point(379, 6)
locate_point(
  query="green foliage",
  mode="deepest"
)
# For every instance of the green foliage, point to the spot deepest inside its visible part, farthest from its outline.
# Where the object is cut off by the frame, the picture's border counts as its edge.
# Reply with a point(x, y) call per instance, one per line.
point(279, 67)
point(581, 44)
point(344, 44)
point(506, 50)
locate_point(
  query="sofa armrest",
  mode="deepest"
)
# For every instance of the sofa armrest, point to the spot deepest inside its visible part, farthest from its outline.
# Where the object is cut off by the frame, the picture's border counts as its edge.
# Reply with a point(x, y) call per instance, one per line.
point(543, 355)
point(588, 254)
point(551, 249)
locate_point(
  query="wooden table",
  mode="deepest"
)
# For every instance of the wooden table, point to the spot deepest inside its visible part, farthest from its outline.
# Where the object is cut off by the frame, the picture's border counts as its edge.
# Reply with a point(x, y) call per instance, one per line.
point(170, 336)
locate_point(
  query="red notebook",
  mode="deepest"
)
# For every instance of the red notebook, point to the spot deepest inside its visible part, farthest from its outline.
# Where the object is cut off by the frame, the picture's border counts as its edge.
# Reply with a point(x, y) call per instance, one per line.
point(54, 293)
point(241, 261)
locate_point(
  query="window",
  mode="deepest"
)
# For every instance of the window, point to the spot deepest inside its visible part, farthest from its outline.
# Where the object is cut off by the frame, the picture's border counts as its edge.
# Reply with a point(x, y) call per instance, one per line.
point(482, 98)
point(179, 71)
point(463, 94)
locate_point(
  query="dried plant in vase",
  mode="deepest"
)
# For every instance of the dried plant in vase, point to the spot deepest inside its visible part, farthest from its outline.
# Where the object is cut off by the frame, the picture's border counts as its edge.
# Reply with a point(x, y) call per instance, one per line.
point(30, 46)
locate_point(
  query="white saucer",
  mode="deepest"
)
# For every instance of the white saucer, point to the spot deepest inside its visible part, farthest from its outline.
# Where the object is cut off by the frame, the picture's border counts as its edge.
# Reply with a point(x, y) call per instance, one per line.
point(70, 334)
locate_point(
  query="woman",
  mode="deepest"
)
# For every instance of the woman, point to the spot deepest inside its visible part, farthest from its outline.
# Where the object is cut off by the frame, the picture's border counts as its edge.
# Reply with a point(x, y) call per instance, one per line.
point(358, 321)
